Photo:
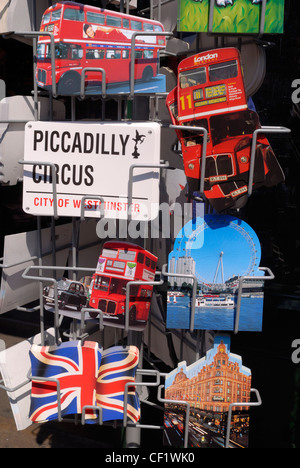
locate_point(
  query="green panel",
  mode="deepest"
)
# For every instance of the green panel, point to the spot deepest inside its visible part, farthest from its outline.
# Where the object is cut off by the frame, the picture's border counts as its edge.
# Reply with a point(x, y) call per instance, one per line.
point(242, 17)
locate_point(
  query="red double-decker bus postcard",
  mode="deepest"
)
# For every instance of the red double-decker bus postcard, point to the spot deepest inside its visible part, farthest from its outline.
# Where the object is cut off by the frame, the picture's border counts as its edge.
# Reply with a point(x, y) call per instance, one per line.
point(124, 270)
point(94, 47)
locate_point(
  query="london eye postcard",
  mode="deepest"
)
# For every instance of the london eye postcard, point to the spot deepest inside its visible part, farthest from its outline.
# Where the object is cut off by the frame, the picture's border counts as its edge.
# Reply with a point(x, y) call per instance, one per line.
point(214, 278)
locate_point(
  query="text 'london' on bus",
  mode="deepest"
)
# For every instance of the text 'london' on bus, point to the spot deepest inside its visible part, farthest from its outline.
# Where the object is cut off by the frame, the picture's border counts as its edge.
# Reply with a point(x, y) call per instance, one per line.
point(210, 94)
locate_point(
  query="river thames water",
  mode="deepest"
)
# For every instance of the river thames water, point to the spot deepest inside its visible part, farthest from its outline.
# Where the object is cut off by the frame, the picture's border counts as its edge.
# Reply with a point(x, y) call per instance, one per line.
point(208, 318)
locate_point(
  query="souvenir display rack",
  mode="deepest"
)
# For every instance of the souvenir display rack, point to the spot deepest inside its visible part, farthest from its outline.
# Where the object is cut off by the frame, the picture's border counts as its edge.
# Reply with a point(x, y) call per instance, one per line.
point(158, 376)
point(78, 331)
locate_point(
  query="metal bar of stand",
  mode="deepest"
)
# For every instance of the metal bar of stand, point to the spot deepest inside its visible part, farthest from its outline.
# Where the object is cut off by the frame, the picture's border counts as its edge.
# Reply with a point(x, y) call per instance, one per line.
point(187, 416)
point(240, 289)
point(127, 300)
point(253, 150)
point(195, 283)
point(94, 408)
point(232, 405)
point(17, 387)
point(53, 177)
point(136, 384)
point(57, 382)
point(93, 197)
point(132, 61)
point(40, 262)
point(25, 275)
point(204, 147)
point(36, 34)
point(103, 81)
point(130, 181)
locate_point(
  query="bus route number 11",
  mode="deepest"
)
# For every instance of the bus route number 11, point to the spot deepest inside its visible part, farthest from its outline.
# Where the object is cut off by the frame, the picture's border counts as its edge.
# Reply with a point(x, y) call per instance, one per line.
point(188, 99)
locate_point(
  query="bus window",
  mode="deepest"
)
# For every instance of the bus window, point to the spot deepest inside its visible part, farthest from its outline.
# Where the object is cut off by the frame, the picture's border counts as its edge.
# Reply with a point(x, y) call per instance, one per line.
point(101, 283)
point(233, 124)
point(148, 27)
point(41, 51)
point(56, 15)
point(46, 18)
point(157, 28)
point(113, 54)
point(74, 15)
point(145, 293)
point(138, 54)
point(89, 54)
point(126, 24)
point(114, 21)
point(76, 52)
point(174, 109)
point(127, 255)
point(137, 25)
point(222, 71)
point(117, 286)
point(134, 290)
point(125, 54)
point(148, 54)
point(48, 51)
point(95, 18)
point(99, 53)
point(66, 51)
point(191, 138)
point(94, 54)
point(192, 77)
point(140, 257)
point(109, 253)
point(117, 265)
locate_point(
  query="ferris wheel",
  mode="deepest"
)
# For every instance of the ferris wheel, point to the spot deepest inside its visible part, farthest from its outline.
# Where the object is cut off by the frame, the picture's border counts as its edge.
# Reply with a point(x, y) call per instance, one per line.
point(222, 247)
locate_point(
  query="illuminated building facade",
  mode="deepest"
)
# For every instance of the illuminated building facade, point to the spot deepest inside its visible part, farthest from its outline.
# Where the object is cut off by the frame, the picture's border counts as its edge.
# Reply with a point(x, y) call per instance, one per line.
point(214, 385)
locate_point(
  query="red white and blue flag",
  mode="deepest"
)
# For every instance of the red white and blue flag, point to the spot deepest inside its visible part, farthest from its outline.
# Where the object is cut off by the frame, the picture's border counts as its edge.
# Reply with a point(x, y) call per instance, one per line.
point(86, 378)
point(118, 368)
point(75, 367)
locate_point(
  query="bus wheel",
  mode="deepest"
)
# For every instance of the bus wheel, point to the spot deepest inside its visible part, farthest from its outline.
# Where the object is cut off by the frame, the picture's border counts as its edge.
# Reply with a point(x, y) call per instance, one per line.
point(69, 84)
point(132, 315)
point(147, 74)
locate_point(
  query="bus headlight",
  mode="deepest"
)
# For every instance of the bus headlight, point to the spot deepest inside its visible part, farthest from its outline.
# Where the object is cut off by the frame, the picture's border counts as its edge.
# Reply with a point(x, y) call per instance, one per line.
point(244, 159)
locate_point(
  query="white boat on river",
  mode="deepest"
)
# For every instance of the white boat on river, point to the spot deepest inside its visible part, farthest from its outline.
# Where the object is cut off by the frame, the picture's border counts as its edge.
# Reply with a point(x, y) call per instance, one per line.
point(224, 302)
